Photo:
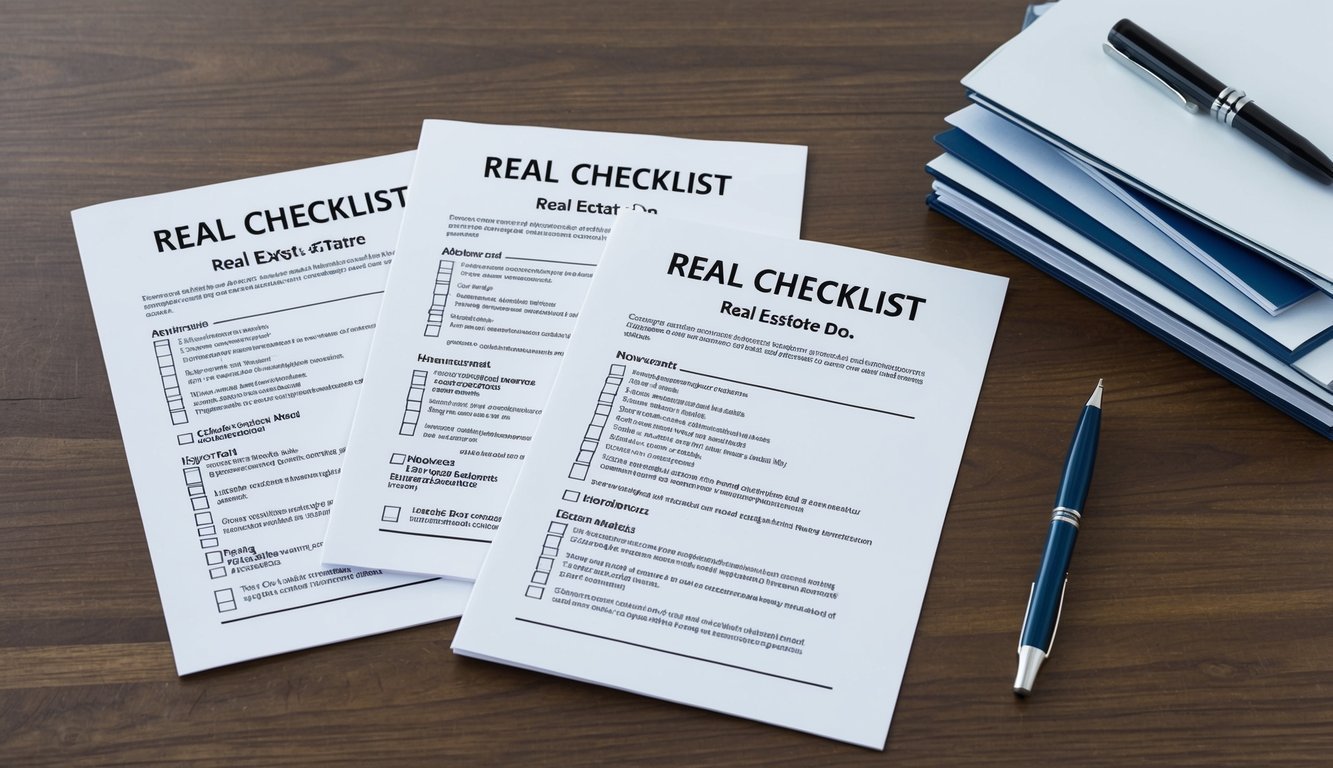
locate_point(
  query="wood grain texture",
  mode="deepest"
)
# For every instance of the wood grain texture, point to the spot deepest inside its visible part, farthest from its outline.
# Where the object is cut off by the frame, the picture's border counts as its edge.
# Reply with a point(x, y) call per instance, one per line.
point(1197, 632)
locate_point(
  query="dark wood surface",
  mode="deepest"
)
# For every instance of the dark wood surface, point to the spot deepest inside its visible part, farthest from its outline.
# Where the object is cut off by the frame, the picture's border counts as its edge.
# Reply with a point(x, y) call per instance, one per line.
point(1199, 625)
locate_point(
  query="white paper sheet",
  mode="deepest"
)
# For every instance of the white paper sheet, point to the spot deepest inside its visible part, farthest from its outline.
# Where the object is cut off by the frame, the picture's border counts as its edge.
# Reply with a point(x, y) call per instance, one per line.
point(493, 263)
point(235, 321)
point(1055, 77)
point(735, 496)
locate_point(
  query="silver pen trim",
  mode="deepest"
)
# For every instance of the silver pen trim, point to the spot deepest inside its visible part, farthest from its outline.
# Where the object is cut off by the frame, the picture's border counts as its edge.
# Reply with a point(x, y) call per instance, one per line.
point(1227, 104)
point(1066, 515)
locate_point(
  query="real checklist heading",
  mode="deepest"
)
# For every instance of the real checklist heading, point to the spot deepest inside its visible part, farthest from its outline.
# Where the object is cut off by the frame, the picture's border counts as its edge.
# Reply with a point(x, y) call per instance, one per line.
point(611, 176)
point(811, 288)
point(265, 221)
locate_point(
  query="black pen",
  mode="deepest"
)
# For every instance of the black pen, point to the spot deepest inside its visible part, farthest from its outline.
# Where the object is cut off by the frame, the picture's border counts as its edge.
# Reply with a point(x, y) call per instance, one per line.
point(1195, 89)
point(1048, 591)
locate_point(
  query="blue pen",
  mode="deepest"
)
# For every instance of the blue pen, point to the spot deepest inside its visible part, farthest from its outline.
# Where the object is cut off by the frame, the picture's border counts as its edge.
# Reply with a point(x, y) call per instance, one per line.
point(1048, 591)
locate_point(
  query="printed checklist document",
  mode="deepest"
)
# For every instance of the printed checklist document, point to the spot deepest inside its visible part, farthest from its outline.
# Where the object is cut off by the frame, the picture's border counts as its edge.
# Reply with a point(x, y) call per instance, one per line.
point(506, 226)
point(235, 320)
point(734, 498)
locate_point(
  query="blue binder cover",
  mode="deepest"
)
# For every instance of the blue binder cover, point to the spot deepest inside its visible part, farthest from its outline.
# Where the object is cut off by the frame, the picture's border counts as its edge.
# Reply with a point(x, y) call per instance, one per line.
point(1280, 286)
point(1199, 356)
point(1005, 173)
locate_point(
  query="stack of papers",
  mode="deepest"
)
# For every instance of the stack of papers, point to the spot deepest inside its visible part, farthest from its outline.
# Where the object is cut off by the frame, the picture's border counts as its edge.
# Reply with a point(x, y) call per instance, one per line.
point(680, 451)
point(1187, 228)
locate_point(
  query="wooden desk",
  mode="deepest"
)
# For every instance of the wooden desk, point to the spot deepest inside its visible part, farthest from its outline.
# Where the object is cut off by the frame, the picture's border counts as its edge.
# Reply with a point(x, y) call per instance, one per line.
point(1199, 625)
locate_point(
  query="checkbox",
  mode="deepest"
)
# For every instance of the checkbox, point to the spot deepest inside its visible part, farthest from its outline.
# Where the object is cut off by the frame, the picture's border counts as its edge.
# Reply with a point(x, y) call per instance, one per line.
point(535, 592)
point(557, 528)
point(208, 530)
point(550, 551)
point(226, 600)
point(213, 558)
point(398, 458)
point(208, 543)
point(390, 513)
point(185, 438)
point(203, 518)
point(570, 495)
point(217, 573)
point(546, 564)
point(540, 577)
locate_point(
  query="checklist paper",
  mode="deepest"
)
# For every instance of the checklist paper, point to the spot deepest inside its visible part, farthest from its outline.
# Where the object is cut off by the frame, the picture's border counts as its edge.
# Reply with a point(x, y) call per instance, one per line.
point(235, 321)
point(734, 497)
point(490, 273)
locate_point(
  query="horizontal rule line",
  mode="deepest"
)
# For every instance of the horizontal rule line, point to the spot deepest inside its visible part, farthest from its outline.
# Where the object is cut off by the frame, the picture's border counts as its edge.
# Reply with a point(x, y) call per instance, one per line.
point(550, 261)
point(431, 535)
point(798, 394)
point(330, 600)
point(301, 306)
point(674, 653)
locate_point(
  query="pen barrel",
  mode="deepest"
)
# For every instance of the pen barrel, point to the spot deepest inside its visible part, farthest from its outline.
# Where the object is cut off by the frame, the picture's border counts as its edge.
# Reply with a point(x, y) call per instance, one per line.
point(1079, 461)
point(1274, 135)
point(1048, 589)
point(1165, 62)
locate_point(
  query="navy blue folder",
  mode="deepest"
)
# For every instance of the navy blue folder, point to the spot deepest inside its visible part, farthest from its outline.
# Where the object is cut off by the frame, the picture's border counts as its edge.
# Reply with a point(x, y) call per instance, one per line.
point(997, 168)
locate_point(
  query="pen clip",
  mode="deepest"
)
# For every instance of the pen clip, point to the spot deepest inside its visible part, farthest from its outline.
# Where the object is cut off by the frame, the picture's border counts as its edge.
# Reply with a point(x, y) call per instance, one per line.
point(1059, 610)
point(1150, 78)
point(1023, 630)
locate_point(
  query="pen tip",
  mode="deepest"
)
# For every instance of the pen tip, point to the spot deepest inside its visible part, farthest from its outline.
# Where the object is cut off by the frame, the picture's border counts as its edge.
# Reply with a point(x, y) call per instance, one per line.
point(1029, 661)
point(1096, 400)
